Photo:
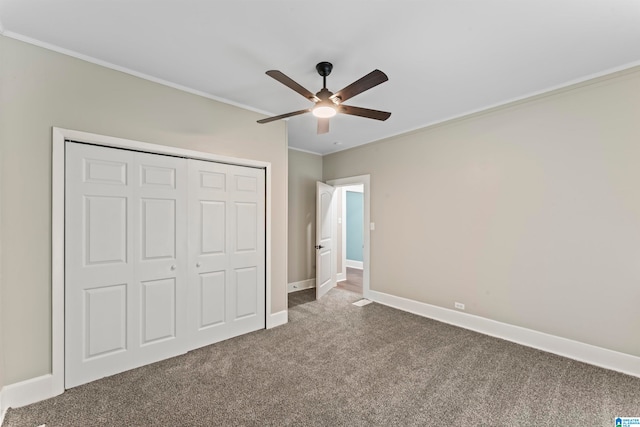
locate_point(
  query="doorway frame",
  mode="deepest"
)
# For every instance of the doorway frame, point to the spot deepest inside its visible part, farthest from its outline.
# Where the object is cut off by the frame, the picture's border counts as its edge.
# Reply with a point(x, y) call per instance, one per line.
point(342, 275)
point(59, 136)
point(365, 180)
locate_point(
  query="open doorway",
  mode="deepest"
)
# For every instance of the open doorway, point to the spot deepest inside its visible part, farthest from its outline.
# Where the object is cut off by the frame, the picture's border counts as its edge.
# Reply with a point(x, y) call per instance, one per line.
point(350, 237)
point(353, 234)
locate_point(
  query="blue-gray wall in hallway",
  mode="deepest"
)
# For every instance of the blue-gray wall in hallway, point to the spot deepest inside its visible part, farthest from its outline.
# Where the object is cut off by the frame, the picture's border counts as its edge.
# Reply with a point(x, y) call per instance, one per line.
point(355, 217)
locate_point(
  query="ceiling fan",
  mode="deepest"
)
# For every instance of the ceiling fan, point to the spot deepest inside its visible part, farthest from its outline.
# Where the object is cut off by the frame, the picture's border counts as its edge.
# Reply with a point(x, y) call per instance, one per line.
point(327, 103)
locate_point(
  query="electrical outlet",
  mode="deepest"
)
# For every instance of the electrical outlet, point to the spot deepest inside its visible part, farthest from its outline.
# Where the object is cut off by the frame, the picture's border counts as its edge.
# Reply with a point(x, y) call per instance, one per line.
point(459, 306)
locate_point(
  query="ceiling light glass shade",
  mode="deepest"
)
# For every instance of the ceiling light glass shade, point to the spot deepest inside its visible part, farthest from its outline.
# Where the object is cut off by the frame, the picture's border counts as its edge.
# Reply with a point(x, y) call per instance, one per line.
point(324, 111)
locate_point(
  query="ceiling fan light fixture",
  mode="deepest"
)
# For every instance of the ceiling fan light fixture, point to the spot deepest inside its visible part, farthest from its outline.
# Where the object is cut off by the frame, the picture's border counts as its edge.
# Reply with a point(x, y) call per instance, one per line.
point(328, 104)
point(324, 111)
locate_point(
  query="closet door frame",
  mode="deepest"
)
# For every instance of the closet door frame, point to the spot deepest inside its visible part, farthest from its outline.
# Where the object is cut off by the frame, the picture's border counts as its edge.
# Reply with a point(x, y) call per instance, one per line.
point(59, 136)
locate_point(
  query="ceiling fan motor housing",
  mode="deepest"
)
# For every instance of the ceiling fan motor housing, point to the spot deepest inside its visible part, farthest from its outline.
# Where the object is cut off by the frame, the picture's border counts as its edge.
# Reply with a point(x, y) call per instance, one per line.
point(324, 68)
point(324, 94)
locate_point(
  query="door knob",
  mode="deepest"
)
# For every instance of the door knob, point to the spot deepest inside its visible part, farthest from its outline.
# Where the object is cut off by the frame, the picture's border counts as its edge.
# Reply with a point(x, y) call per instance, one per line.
point(197, 264)
point(173, 267)
point(319, 246)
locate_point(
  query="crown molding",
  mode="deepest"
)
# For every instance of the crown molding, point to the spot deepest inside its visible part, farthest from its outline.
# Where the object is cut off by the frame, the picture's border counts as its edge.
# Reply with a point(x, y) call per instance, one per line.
point(106, 64)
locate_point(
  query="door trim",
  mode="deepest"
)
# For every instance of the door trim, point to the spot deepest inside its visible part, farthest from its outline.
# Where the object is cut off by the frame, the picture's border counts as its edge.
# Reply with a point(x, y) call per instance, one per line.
point(59, 135)
point(365, 180)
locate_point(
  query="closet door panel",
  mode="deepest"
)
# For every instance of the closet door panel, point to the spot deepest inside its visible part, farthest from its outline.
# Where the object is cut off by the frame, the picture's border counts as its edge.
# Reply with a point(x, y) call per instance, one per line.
point(160, 250)
point(212, 296)
point(248, 248)
point(99, 263)
point(226, 241)
point(125, 260)
point(208, 252)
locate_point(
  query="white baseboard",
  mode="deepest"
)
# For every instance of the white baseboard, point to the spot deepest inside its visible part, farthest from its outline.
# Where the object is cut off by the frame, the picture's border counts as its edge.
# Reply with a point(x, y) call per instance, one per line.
point(277, 319)
point(301, 285)
point(29, 391)
point(354, 264)
point(576, 350)
point(340, 277)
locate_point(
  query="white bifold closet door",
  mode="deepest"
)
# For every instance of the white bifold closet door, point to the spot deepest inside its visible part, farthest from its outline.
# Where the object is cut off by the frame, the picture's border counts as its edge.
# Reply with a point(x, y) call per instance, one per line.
point(162, 255)
point(227, 251)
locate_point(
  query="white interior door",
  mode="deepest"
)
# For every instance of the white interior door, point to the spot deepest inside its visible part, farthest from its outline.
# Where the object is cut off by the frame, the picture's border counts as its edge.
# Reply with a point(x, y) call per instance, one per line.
point(226, 251)
point(125, 284)
point(325, 239)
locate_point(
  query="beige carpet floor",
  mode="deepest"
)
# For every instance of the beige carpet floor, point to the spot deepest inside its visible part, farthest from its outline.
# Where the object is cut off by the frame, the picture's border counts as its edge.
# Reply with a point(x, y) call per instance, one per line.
point(335, 364)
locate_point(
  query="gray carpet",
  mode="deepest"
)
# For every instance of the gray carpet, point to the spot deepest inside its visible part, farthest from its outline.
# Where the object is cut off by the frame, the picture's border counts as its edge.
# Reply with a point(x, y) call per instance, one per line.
point(335, 364)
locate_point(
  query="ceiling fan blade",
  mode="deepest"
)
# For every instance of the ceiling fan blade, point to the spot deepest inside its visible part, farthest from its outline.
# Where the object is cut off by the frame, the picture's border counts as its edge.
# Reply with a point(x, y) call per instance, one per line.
point(283, 116)
point(364, 112)
point(323, 126)
point(290, 83)
point(372, 79)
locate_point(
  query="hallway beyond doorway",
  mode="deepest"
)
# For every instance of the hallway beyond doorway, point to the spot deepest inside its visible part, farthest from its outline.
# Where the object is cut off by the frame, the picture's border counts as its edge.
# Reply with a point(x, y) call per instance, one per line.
point(353, 282)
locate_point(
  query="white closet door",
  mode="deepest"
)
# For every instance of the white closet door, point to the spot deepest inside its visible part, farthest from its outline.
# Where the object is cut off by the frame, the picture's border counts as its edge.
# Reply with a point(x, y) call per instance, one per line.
point(226, 251)
point(98, 262)
point(162, 255)
point(160, 250)
point(125, 260)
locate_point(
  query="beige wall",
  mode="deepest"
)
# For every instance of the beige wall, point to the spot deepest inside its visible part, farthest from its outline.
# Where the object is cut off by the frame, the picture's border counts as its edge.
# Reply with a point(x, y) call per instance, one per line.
point(304, 170)
point(41, 89)
point(2, 368)
point(528, 214)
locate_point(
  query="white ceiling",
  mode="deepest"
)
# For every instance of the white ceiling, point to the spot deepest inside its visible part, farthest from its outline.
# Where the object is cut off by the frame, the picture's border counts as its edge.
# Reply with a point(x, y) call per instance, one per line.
point(444, 58)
